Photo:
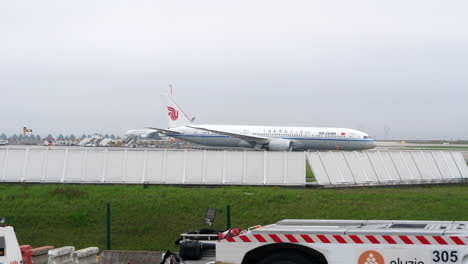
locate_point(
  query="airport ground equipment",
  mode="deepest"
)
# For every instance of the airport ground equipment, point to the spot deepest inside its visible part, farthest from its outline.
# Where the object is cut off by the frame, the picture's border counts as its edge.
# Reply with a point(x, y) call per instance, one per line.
point(10, 252)
point(341, 242)
point(130, 140)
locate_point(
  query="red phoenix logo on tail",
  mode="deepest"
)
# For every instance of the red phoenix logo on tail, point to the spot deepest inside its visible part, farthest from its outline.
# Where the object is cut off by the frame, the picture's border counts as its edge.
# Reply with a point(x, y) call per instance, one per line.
point(174, 114)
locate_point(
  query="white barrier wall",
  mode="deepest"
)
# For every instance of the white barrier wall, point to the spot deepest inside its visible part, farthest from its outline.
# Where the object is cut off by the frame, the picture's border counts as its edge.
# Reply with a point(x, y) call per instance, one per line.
point(61, 255)
point(75, 165)
point(387, 167)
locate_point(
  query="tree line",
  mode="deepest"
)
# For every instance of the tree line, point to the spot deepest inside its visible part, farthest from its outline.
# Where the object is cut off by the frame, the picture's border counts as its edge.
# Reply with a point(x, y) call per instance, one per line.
point(59, 137)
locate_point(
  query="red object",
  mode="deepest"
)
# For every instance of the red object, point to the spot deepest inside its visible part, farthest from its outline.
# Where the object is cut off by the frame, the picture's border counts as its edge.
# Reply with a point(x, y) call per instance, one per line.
point(343, 133)
point(45, 248)
point(173, 114)
point(26, 253)
point(345, 239)
point(233, 232)
point(340, 239)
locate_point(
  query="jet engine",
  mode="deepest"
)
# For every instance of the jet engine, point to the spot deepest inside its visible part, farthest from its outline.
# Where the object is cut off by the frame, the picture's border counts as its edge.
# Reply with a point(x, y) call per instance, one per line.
point(280, 145)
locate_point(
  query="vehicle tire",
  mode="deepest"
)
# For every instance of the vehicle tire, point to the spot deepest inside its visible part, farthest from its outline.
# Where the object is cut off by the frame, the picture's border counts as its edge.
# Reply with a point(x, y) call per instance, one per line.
point(190, 250)
point(287, 257)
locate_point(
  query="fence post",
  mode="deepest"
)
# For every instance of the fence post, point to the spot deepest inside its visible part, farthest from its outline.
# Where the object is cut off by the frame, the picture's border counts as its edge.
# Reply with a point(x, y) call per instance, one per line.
point(4, 165)
point(64, 170)
point(44, 164)
point(104, 166)
point(373, 168)
point(143, 177)
point(394, 165)
point(415, 164)
point(184, 171)
point(438, 167)
point(224, 166)
point(456, 165)
point(25, 164)
point(204, 166)
point(264, 167)
point(228, 216)
point(108, 226)
point(285, 169)
point(383, 165)
point(124, 167)
point(163, 179)
point(349, 167)
point(244, 166)
point(83, 170)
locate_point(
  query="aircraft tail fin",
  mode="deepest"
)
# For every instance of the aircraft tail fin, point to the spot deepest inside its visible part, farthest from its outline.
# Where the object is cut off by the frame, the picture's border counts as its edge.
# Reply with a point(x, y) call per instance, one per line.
point(175, 116)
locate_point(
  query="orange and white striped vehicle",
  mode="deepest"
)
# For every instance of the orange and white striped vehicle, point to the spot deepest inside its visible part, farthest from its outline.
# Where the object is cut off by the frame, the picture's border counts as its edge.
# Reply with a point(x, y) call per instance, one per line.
point(346, 242)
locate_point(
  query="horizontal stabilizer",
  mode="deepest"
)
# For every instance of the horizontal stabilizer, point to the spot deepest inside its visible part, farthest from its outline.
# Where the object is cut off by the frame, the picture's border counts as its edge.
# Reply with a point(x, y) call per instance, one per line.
point(164, 131)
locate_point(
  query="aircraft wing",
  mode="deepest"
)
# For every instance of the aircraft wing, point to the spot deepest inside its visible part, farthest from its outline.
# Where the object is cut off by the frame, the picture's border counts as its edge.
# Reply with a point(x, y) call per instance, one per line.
point(164, 131)
point(256, 139)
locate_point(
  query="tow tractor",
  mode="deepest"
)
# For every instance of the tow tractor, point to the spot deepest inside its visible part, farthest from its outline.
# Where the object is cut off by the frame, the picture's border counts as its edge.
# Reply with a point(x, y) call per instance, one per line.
point(10, 252)
point(297, 241)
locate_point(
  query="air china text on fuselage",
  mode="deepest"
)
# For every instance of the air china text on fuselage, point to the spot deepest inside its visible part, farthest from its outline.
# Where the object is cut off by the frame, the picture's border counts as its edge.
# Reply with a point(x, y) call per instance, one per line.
point(274, 138)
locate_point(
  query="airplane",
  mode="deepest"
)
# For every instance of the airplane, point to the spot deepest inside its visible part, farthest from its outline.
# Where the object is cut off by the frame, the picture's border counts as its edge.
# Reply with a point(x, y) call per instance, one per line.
point(272, 138)
point(143, 133)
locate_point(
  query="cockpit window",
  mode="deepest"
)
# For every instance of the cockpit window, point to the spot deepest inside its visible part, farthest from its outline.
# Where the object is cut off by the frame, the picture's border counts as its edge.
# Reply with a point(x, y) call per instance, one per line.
point(366, 137)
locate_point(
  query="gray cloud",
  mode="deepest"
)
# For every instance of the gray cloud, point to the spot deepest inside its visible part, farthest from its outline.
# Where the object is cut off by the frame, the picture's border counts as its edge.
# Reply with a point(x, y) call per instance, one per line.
point(99, 66)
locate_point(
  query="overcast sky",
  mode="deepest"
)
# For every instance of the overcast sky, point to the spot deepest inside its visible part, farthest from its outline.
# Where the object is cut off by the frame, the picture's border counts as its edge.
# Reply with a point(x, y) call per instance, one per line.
point(99, 66)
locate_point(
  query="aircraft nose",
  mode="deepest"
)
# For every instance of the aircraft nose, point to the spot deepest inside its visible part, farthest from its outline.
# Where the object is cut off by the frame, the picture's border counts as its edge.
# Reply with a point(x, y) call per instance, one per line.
point(373, 144)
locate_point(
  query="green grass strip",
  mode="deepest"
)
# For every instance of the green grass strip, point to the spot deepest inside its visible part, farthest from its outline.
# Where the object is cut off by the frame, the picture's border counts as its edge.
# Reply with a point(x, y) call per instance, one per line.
point(152, 218)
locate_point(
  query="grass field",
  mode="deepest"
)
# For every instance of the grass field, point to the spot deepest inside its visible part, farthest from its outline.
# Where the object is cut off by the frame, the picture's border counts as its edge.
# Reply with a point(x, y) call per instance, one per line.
point(151, 218)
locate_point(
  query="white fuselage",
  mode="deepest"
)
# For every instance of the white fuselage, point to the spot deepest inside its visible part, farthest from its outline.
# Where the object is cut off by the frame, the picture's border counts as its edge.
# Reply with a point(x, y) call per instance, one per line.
point(302, 138)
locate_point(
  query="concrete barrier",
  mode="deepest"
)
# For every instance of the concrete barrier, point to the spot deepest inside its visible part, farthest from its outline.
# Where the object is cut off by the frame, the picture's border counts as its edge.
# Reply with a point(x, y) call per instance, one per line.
point(26, 253)
point(40, 255)
point(130, 257)
point(61, 255)
point(86, 256)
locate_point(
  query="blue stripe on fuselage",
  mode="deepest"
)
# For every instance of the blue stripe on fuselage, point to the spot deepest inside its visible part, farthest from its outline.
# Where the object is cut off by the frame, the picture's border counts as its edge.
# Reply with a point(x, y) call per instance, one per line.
point(221, 136)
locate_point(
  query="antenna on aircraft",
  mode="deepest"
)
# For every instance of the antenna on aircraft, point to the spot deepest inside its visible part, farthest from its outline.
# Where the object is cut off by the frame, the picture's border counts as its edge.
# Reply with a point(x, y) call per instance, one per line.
point(170, 89)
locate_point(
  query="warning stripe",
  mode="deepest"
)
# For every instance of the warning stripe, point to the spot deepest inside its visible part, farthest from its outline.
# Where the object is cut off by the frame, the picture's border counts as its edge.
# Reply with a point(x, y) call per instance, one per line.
point(245, 238)
point(291, 238)
point(423, 240)
point(307, 239)
point(324, 239)
point(260, 238)
point(440, 240)
point(340, 239)
point(356, 239)
point(457, 240)
point(406, 240)
point(389, 239)
point(350, 239)
point(276, 238)
point(373, 240)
